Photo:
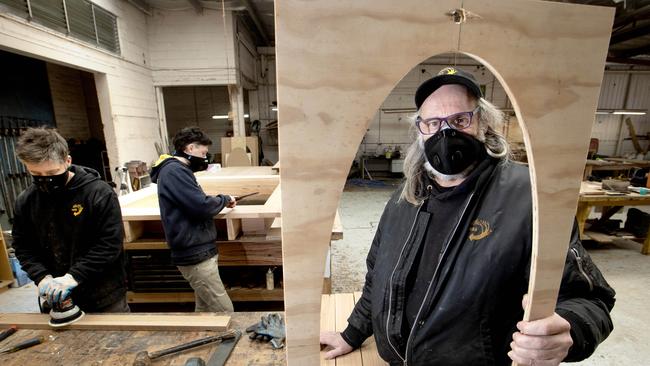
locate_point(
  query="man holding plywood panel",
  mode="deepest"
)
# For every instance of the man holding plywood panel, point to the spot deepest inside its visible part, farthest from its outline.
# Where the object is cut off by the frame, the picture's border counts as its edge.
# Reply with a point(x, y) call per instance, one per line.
point(449, 266)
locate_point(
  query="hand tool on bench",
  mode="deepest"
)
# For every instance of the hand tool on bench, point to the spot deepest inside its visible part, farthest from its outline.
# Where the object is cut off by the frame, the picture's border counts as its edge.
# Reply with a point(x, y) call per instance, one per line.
point(144, 358)
point(223, 351)
point(22, 345)
point(239, 198)
point(7, 332)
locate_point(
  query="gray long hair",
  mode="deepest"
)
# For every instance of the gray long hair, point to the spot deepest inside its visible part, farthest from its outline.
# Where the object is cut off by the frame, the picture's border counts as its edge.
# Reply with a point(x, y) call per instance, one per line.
point(491, 121)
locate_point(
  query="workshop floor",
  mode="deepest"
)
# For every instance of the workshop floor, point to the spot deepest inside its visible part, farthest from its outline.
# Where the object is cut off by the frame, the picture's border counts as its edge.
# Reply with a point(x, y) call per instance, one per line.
point(361, 206)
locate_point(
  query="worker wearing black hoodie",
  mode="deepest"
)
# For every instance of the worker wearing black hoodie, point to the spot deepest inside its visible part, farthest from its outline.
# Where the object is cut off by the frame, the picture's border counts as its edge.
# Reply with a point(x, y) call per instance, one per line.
point(187, 215)
point(68, 231)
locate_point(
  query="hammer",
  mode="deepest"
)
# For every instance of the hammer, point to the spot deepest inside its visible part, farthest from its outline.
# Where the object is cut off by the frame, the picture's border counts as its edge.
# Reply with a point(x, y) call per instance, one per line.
point(144, 358)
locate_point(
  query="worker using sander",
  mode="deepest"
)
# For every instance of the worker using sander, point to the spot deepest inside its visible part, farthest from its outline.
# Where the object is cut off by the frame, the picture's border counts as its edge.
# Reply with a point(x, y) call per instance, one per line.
point(68, 231)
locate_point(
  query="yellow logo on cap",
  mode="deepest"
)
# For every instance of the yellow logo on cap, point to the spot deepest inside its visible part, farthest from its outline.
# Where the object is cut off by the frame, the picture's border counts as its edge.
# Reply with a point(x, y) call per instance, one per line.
point(77, 209)
point(448, 71)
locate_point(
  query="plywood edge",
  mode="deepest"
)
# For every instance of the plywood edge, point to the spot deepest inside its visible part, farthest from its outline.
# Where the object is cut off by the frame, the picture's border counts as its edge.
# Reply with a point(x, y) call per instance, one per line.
point(337, 228)
point(274, 203)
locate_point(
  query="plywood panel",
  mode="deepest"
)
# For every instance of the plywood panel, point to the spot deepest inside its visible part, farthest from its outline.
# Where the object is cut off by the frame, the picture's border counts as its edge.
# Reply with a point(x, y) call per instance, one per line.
point(548, 56)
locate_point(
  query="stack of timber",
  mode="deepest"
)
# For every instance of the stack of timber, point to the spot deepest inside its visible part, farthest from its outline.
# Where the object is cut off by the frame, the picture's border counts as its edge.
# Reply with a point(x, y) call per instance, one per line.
point(334, 312)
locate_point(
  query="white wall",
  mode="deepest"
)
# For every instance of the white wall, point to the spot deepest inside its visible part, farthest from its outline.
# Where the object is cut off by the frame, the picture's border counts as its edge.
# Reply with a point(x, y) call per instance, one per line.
point(165, 49)
point(124, 85)
point(186, 48)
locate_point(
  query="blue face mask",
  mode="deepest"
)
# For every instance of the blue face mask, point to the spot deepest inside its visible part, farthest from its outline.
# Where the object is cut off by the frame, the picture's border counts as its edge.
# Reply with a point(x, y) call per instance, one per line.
point(51, 184)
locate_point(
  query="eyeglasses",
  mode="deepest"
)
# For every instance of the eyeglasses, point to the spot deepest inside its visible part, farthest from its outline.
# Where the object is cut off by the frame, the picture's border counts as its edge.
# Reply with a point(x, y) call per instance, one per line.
point(458, 121)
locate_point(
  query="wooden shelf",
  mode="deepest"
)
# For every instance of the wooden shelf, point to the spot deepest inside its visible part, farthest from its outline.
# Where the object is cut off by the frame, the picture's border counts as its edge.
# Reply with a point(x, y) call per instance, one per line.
point(231, 253)
point(238, 294)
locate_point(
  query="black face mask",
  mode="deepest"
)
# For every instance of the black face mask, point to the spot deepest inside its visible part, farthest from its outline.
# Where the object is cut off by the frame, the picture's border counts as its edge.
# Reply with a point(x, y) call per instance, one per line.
point(451, 152)
point(197, 164)
point(51, 183)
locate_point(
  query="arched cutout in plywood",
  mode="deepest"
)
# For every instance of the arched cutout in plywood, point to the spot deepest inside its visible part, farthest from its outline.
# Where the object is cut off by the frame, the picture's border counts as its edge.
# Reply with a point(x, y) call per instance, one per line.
point(392, 127)
point(337, 60)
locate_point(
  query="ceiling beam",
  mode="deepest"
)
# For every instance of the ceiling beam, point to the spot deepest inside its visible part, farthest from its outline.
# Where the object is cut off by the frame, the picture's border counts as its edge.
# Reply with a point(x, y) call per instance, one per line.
point(631, 52)
point(628, 61)
point(196, 4)
point(250, 8)
point(642, 12)
point(638, 31)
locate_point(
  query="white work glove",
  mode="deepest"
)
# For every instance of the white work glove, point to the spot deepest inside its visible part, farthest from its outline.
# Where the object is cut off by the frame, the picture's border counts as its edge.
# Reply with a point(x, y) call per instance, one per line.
point(59, 289)
point(232, 201)
point(44, 284)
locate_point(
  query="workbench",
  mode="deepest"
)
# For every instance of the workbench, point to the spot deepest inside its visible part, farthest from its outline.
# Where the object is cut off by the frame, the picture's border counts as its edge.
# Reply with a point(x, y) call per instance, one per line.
point(249, 240)
point(119, 348)
point(614, 165)
point(592, 195)
point(107, 348)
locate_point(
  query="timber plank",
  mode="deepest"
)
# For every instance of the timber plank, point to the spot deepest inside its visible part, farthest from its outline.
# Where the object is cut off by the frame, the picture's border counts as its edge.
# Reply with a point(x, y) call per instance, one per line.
point(327, 323)
point(344, 306)
point(140, 321)
point(119, 348)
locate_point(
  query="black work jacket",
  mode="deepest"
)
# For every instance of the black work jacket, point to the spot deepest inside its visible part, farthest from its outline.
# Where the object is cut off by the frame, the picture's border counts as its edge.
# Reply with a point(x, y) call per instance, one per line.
point(187, 213)
point(78, 231)
point(473, 303)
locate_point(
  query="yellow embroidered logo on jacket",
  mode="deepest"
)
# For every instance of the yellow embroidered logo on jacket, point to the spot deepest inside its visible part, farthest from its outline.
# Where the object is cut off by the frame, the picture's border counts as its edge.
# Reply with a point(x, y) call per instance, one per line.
point(480, 229)
point(77, 209)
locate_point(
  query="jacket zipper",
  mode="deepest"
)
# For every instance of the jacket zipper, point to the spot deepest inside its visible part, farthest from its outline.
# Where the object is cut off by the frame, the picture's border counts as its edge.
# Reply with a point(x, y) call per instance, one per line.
point(390, 284)
point(582, 271)
point(435, 273)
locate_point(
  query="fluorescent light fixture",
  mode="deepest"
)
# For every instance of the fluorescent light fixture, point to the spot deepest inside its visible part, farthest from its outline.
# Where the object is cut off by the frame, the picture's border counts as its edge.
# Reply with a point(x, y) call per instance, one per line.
point(631, 112)
point(225, 116)
point(274, 109)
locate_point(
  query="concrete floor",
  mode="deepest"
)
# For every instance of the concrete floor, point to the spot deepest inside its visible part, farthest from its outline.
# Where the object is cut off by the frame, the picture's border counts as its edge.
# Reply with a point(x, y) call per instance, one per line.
point(621, 263)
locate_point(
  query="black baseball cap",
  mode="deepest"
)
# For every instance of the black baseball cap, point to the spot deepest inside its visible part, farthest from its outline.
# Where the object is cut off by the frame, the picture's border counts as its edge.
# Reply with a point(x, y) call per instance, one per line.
point(448, 75)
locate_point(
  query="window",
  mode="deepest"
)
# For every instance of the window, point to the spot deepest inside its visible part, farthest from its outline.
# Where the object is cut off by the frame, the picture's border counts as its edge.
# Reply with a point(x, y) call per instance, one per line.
point(80, 19)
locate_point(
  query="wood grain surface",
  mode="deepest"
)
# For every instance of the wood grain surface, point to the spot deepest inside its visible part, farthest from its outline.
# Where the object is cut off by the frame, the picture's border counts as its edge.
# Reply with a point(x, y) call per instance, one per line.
point(338, 60)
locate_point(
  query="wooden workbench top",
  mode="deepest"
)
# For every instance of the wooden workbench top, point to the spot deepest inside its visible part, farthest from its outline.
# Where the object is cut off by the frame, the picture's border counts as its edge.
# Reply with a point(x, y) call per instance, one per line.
point(84, 347)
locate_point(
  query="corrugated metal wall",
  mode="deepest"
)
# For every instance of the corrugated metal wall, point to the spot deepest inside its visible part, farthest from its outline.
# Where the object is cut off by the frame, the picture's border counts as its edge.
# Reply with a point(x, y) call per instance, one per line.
point(622, 90)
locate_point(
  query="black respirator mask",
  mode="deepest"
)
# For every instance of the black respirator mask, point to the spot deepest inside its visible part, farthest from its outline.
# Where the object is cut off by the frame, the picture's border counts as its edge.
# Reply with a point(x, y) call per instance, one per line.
point(451, 152)
point(197, 164)
point(51, 183)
